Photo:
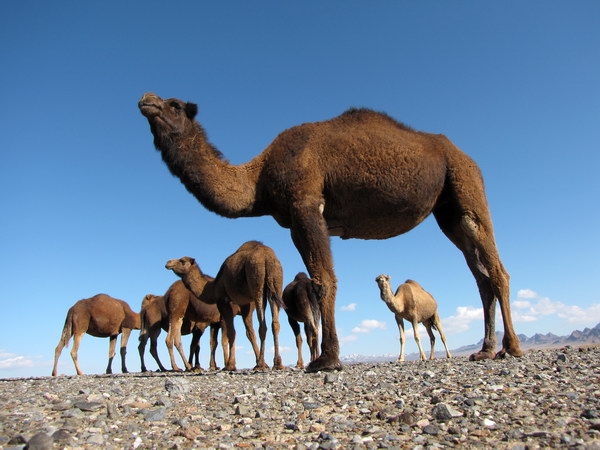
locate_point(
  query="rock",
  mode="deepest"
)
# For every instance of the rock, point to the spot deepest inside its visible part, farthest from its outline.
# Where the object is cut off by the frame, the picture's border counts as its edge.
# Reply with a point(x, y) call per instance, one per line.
point(154, 415)
point(177, 386)
point(40, 441)
point(331, 377)
point(88, 406)
point(445, 412)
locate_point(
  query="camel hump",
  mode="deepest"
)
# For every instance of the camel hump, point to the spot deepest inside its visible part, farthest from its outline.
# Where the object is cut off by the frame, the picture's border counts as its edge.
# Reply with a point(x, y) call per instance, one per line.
point(366, 114)
point(409, 281)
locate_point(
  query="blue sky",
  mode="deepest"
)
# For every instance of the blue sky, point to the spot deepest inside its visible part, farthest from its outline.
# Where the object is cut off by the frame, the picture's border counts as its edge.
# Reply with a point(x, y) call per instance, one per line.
point(88, 206)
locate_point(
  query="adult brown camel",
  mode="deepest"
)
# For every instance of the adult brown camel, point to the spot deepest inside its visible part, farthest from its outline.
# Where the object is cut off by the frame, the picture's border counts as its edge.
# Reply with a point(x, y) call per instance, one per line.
point(415, 304)
point(154, 318)
point(99, 316)
point(360, 175)
point(248, 279)
point(301, 305)
point(183, 311)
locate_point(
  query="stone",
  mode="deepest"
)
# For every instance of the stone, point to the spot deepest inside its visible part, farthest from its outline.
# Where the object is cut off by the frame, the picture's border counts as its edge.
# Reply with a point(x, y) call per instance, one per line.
point(88, 406)
point(177, 386)
point(40, 441)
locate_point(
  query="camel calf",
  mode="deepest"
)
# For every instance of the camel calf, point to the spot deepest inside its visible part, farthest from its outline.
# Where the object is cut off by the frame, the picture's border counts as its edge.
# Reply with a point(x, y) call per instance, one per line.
point(415, 304)
point(301, 305)
point(100, 316)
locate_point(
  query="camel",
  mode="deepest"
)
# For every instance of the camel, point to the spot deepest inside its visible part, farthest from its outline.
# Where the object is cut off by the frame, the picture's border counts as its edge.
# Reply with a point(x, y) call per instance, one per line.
point(99, 316)
point(248, 279)
point(415, 304)
point(301, 305)
point(154, 318)
point(184, 313)
point(359, 175)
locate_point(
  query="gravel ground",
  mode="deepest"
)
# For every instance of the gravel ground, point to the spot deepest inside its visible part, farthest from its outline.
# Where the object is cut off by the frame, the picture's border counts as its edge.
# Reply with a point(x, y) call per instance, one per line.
point(548, 398)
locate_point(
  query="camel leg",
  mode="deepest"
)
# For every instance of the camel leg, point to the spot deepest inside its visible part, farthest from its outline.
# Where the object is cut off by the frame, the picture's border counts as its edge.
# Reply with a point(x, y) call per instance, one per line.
point(438, 324)
point(76, 341)
point(415, 326)
point(296, 329)
point(153, 347)
point(400, 323)
point(57, 352)
point(261, 307)
point(174, 339)
point(214, 334)
point(275, 327)
point(143, 339)
point(195, 346)
point(229, 330)
point(312, 338)
point(111, 352)
point(246, 312)
point(311, 238)
point(431, 339)
point(224, 342)
point(124, 339)
point(472, 233)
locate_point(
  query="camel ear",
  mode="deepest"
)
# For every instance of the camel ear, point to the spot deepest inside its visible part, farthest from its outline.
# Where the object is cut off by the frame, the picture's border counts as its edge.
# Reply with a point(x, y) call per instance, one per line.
point(192, 261)
point(191, 109)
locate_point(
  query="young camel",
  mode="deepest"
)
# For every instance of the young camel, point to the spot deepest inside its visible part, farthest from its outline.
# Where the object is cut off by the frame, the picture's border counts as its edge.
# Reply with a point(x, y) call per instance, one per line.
point(415, 304)
point(247, 279)
point(183, 306)
point(301, 305)
point(154, 318)
point(99, 316)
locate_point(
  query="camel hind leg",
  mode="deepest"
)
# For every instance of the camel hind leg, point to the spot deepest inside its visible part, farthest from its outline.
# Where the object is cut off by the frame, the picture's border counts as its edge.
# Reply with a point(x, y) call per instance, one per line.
point(296, 329)
point(465, 220)
point(437, 323)
point(76, 340)
point(431, 338)
point(124, 338)
point(111, 352)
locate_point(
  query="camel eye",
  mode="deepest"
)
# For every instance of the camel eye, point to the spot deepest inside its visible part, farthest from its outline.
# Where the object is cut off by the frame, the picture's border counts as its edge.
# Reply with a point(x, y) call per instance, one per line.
point(176, 106)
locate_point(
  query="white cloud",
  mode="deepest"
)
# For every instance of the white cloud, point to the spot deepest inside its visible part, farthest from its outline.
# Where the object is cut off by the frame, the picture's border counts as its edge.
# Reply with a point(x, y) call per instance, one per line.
point(10, 361)
point(349, 338)
point(366, 326)
point(461, 321)
point(543, 306)
point(282, 349)
point(527, 293)
point(350, 307)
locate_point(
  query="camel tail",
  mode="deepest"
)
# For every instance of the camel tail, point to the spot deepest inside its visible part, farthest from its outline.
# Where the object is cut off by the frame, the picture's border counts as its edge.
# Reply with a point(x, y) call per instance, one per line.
point(67, 331)
point(273, 290)
point(143, 329)
point(314, 307)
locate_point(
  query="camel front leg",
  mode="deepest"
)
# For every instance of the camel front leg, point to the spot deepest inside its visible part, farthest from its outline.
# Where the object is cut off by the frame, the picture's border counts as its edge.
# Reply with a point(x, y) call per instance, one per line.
point(229, 330)
point(400, 323)
point(195, 346)
point(111, 353)
point(312, 339)
point(143, 339)
point(296, 329)
point(415, 326)
point(311, 238)
point(174, 339)
point(153, 348)
point(124, 339)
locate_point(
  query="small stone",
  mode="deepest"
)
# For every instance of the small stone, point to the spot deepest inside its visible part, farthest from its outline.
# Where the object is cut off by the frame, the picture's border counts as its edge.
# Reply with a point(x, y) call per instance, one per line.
point(445, 412)
point(407, 418)
point(154, 415)
point(428, 374)
point(177, 386)
point(61, 436)
point(88, 406)
point(561, 358)
point(138, 441)
point(316, 428)
point(310, 405)
point(241, 410)
point(260, 391)
point(488, 423)
point(163, 401)
point(331, 377)
point(431, 429)
point(95, 439)
point(40, 441)
point(73, 413)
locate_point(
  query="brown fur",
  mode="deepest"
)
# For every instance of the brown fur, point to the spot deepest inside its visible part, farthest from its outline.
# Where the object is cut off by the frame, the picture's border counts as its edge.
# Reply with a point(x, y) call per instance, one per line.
point(415, 304)
point(359, 175)
point(154, 318)
point(99, 316)
point(185, 310)
point(301, 305)
point(248, 279)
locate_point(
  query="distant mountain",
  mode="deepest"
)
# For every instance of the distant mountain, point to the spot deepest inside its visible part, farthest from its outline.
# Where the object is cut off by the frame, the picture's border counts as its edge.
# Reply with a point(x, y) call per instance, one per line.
point(589, 336)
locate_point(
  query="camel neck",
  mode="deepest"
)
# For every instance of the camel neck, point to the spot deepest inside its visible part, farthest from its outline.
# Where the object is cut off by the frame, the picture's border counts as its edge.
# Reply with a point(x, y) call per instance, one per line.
point(225, 189)
point(195, 282)
point(388, 297)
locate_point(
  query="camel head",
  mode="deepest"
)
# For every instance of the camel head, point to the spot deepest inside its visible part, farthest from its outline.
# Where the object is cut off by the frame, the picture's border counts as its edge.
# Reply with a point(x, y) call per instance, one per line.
point(382, 280)
point(181, 266)
point(169, 119)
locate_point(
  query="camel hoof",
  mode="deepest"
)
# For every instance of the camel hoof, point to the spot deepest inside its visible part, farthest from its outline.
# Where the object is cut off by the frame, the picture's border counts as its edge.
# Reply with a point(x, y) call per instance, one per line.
point(230, 368)
point(261, 367)
point(278, 367)
point(213, 368)
point(481, 355)
point(324, 364)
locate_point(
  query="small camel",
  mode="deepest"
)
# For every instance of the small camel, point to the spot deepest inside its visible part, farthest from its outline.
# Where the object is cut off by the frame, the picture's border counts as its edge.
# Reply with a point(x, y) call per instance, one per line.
point(99, 316)
point(154, 318)
point(301, 305)
point(415, 304)
point(248, 279)
point(361, 175)
point(183, 306)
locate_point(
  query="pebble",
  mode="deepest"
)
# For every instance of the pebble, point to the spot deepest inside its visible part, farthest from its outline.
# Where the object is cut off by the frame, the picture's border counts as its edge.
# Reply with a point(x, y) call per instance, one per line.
point(512, 403)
